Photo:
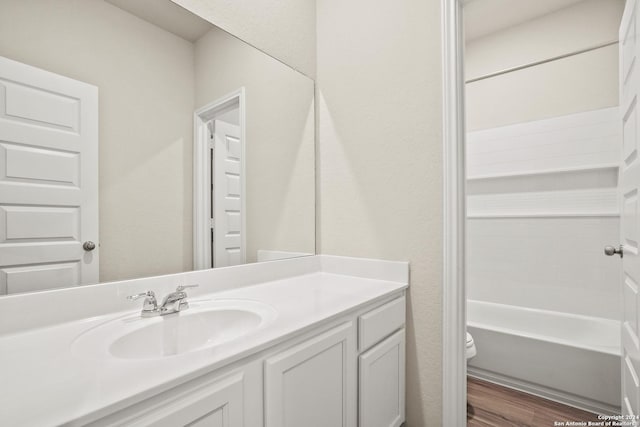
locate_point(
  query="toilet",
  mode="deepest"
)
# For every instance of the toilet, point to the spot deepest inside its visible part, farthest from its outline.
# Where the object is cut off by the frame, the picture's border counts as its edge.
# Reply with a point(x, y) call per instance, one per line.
point(471, 351)
point(471, 347)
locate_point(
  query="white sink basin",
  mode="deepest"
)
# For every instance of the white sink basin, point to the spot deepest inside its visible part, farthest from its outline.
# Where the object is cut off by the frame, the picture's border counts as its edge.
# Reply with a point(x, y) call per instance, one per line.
point(203, 325)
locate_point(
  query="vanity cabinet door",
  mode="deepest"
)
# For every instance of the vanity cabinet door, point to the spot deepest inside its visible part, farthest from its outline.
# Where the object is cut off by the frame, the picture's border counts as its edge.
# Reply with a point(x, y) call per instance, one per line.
point(313, 383)
point(217, 406)
point(216, 403)
point(381, 377)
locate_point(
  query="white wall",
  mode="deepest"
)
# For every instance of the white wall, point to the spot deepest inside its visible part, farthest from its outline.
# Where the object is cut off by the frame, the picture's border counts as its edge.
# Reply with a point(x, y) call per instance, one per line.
point(380, 161)
point(280, 145)
point(578, 83)
point(535, 237)
point(579, 26)
point(145, 172)
point(285, 29)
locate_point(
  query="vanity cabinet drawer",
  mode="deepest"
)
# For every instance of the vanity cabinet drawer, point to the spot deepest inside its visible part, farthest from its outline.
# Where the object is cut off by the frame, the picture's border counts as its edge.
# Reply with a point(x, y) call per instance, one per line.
point(380, 323)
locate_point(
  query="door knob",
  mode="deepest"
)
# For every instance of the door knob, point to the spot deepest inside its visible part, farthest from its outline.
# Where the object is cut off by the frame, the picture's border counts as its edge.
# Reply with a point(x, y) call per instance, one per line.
point(611, 251)
point(88, 246)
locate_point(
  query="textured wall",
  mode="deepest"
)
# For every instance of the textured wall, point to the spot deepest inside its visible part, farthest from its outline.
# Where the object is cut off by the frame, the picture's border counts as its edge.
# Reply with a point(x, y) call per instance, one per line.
point(583, 82)
point(285, 29)
point(145, 122)
point(381, 161)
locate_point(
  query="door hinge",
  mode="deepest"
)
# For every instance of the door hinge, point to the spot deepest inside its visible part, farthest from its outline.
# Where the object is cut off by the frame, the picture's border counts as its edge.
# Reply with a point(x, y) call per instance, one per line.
point(212, 223)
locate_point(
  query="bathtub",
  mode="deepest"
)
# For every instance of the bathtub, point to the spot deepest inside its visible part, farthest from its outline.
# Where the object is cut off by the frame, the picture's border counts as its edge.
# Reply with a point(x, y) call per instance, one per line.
point(568, 358)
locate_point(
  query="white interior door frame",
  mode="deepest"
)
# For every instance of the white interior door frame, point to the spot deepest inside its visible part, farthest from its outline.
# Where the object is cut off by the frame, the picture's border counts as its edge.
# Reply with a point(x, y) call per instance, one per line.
point(202, 175)
point(454, 366)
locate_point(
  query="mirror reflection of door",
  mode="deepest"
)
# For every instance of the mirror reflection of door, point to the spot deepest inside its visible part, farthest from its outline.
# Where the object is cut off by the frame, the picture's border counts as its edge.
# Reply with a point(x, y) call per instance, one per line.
point(48, 180)
point(220, 238)
point(227, 194)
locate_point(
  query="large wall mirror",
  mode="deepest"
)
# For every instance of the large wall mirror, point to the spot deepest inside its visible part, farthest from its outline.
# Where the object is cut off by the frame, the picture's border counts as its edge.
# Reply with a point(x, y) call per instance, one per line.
point(137, 139)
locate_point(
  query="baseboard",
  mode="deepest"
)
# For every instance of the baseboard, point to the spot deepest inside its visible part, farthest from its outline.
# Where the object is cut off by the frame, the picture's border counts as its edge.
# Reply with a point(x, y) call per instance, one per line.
point(544, 392)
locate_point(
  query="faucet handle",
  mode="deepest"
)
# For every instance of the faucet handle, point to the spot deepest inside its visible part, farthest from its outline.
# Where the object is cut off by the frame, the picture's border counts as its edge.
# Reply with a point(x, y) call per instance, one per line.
point(143, 294)
point(150, 303)
point(182, 303)
point(183, 287)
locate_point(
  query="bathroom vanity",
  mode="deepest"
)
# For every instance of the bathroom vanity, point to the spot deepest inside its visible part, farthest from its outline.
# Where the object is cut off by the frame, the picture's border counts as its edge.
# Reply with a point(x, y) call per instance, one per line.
point(312, 341)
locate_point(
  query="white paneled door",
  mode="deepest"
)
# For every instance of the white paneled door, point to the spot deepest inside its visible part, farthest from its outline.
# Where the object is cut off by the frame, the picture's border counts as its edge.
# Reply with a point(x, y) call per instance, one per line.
point(227, 175)
point(48, 180)
point(629, 186)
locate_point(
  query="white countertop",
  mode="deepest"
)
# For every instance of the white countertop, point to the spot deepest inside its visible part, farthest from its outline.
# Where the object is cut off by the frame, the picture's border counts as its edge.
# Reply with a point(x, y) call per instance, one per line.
point(44, 383)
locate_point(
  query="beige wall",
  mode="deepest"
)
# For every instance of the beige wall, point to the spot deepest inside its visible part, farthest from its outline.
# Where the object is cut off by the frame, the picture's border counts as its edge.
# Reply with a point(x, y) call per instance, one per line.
point(145, 76)
point(380, 161)
point(279, 144)
point(285, 29)
point(583, 82)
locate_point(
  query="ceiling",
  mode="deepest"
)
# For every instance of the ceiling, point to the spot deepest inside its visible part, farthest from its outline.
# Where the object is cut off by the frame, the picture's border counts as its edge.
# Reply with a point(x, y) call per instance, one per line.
point(167, 15)
point(484, 17)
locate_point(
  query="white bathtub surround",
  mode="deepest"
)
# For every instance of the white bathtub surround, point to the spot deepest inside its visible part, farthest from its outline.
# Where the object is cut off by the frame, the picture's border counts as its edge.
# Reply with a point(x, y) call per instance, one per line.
point(568, 358)
point(569, 143)
point(546, 190)
point(48, 383)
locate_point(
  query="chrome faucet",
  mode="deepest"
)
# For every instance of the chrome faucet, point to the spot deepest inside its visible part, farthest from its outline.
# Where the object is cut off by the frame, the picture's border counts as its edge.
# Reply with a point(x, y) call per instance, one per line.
point(176, 301)
point(173, 303)
point(150, 306)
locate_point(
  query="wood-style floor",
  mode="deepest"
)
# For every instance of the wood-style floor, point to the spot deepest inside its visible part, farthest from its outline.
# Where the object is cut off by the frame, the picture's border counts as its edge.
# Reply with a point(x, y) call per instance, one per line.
point(493, 405)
